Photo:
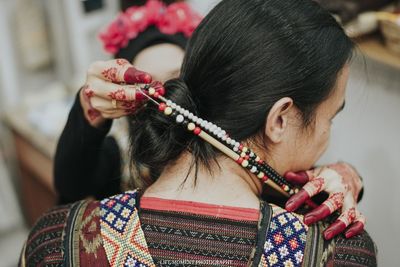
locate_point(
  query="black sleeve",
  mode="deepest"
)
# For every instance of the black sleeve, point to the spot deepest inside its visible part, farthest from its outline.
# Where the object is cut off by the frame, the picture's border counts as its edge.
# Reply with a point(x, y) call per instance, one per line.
point(87, 163)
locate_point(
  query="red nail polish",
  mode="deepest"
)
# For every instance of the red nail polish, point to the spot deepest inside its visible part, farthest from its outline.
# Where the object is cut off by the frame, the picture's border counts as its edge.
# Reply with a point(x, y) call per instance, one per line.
point(349, 234)
point(328, 235)
point(145, 78)
point(309, 219)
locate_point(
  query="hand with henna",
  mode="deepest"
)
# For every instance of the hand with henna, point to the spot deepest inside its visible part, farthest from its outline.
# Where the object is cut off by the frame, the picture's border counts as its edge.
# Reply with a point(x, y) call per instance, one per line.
point(343, 184)
point(110, 90)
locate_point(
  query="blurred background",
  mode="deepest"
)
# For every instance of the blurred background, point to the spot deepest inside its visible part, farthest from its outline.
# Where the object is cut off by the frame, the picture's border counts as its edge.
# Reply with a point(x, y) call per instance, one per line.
point(46, 47)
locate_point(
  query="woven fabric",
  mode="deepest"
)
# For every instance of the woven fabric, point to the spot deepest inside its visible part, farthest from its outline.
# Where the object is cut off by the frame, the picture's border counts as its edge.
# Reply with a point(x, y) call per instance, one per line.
point(286, 240)
point(45, 242)
point(122, 235)
point(188, 239)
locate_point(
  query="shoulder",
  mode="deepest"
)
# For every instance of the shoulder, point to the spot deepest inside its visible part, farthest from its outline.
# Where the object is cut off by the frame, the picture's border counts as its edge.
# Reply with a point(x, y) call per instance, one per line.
point(290, 242)
point(60, 234)
point(45, 240)
point(285, 239)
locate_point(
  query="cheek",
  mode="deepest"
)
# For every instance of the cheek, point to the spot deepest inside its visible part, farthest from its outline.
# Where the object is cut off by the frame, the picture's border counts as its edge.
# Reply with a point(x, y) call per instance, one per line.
point(315, 145)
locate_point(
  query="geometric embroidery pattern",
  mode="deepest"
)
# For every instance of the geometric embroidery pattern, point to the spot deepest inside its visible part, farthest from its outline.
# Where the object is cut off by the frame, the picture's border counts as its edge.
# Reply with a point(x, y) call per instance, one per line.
point(286, 239)
point(122, 235)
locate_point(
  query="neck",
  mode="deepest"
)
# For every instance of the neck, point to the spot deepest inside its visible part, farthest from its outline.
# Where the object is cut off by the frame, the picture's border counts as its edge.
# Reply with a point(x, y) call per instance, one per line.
point(227, 184)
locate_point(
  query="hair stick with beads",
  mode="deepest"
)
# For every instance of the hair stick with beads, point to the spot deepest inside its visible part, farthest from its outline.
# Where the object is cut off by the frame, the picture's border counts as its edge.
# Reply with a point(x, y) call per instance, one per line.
point(218, 138)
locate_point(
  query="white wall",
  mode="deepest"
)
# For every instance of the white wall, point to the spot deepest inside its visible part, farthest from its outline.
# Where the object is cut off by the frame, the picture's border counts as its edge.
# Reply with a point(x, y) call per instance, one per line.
point(367, 134)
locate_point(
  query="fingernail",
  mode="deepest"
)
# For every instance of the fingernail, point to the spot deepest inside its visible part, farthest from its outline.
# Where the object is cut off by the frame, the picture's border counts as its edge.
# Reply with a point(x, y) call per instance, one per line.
point(145, 78)
point(309, 219)
point(132, 75)
point(349, 234)
point(289, 206)
point(328, 234)
point(139, 97)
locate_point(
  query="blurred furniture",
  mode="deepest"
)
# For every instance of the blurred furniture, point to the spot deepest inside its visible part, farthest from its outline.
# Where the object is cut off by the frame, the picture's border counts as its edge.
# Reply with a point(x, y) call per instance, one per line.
point(373, 47)
point(34, 153)
point(35, 128)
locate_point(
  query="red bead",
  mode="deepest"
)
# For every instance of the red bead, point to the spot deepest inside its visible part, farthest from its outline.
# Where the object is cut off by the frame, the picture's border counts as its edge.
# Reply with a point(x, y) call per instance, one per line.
point(265, 178)
point(247, 157)
point(260, 161)
point(162, 106)
point(241, 147)
point(197, 131)
point(161, 91)
point(156, 95)
point(239, 160)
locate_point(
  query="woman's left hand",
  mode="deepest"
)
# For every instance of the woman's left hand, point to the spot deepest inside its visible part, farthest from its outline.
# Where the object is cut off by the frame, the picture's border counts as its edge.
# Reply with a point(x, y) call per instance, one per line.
point(343, 184)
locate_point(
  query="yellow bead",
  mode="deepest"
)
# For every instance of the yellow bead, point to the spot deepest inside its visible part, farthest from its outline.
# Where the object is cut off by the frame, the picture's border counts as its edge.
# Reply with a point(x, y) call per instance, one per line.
point(168, 111)
point(257, 158)
point(152, 91)
point(260, 175)
point(191, 126)
point(243, 154)
point(245, 149)
point(245, 163)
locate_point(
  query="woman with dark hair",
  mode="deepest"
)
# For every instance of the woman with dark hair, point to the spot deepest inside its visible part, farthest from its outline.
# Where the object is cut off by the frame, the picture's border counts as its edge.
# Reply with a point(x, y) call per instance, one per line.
point(90, 161)
point(260, 84)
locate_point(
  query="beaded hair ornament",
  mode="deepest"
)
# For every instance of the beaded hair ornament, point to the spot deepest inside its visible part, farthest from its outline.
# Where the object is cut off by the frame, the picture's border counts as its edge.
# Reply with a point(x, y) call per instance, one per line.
point(218, 138)
point(172, 19)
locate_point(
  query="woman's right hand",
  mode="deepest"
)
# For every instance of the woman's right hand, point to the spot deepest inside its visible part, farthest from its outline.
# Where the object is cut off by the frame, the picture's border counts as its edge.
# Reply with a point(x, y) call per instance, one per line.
point(109, 91)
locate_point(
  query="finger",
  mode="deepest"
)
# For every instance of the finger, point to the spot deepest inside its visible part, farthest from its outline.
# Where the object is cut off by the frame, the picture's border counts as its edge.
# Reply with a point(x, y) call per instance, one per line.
point(299, 178)
point(118, 71)
point(334, 202)
point(345, 219)
point(109, 106)
point(334, 229)
point(357, 227)
point(107, 90)
point(297, 200)
point(309, 190)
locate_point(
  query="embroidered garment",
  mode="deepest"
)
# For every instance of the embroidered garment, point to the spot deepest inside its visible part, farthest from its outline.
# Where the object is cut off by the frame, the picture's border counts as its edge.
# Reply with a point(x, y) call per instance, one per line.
point(119, 231)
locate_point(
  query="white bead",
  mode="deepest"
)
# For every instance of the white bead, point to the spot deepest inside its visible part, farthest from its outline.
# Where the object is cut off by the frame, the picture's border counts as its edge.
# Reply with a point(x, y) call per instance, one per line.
point(253, 169)
point(203, 124)
point(179, 118)
point(178, 109)
point(169, 102)
point(200, 121)
point(195, 118)
point(219, 128)
point(224, 138)
point(215, 132)
point(237, 144)
point(191, 116)
point(223, 132)
point(251, 154)
point(191, 126)
point(228, 140)
point(220, 135)
point(207, 127)
point(173, 105)
point(235, 149)
point(186, 113)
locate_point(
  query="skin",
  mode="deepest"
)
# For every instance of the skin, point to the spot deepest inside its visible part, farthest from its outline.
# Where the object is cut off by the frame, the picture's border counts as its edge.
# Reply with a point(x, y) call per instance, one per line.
point(232, 185)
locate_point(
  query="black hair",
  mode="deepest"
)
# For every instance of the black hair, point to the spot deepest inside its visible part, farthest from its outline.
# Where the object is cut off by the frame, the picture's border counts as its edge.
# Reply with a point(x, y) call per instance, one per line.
point(125, 4)
point(151, 36)
point(243, 58)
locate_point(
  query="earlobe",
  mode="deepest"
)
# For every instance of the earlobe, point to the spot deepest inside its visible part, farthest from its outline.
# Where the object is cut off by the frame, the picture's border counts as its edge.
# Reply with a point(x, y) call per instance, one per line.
point(276, 125)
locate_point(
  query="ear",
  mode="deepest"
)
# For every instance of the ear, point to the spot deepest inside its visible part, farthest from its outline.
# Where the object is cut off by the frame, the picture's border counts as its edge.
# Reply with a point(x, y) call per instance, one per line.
point(277, 120)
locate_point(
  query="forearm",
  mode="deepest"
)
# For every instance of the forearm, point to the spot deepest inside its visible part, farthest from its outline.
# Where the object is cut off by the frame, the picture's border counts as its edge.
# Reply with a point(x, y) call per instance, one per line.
point(77, 155)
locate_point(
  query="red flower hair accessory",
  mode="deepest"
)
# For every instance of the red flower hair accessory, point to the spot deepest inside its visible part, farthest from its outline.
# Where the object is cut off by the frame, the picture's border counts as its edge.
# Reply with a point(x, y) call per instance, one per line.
point(171, 19)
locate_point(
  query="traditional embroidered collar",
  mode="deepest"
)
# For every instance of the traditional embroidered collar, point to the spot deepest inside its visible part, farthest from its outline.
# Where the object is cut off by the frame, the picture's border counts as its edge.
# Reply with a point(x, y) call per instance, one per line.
point(172, 19)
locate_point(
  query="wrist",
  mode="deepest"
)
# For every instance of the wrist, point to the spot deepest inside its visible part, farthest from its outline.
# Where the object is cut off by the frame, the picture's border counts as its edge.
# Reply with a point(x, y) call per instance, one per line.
point(92, 116)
